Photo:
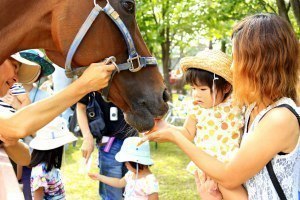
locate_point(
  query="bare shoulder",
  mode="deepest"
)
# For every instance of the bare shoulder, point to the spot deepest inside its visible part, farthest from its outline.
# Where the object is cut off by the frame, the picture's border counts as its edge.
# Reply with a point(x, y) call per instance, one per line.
point(282, 125)
point(282, 117)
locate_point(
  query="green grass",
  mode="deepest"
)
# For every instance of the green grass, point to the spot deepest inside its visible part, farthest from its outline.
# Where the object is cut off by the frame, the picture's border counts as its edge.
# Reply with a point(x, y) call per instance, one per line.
point(169, 168)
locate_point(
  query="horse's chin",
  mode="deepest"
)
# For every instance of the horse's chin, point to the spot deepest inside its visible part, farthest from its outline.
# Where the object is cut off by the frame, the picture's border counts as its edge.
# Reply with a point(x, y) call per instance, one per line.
point(143, 121)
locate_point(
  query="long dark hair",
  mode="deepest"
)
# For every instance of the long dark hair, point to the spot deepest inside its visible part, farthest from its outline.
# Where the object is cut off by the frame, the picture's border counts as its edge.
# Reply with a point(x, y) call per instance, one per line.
point(195, 76)
point(52, 158)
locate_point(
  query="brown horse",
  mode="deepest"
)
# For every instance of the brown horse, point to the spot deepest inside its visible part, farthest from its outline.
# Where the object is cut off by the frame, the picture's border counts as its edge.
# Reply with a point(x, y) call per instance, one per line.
point(53, 24)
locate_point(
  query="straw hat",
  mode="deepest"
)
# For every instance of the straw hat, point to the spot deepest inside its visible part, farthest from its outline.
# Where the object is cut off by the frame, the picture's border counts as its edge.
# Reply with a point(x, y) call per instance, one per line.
point(53, 135)
point(33, 65)
point(130, 151)
point(214, 61)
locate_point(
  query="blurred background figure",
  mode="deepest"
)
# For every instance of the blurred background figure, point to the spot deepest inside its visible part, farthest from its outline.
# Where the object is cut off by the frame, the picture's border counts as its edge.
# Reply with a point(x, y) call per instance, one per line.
point(60, 81)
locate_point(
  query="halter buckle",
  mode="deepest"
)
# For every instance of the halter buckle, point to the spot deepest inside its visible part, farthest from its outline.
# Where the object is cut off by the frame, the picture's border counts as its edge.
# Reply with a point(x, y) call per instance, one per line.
point(112, 60)
point(132, 68)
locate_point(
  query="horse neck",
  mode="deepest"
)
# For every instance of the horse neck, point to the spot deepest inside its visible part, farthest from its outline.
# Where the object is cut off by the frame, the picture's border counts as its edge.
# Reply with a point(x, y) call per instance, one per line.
point(25, 25)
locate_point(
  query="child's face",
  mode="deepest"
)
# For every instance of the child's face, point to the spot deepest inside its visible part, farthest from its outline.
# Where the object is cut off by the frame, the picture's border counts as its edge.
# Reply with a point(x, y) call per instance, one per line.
point(203, 96)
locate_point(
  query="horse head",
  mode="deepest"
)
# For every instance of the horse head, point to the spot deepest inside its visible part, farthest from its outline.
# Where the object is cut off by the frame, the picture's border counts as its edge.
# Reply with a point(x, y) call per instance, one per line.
point(141, 95)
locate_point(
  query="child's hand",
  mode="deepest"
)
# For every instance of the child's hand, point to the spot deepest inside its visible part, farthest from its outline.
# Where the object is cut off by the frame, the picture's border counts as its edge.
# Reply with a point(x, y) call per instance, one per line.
point(207, 188)
point(94, 176)
point(12, 100)
point(87, 147)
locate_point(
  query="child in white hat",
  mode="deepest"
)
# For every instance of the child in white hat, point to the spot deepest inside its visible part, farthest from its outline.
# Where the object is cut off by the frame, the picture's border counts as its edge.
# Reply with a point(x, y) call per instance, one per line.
point(46, 160)
point(139, 182)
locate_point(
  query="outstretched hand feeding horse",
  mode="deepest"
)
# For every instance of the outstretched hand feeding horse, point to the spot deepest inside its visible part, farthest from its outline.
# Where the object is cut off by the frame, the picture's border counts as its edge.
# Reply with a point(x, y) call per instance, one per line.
point(110, 30)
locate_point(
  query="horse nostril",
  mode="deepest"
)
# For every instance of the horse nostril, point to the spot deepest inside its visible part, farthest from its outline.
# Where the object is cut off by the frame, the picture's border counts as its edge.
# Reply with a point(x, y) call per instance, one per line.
point(166, 96)
point(142, 102)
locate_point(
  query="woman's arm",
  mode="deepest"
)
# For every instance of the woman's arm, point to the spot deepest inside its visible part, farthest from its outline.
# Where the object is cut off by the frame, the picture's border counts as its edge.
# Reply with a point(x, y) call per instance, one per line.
point(33, 117)
point(114, 182)
point(256, 150)
point(87, 146)
point(19, 153)
point(188, 130)
point(238, 193)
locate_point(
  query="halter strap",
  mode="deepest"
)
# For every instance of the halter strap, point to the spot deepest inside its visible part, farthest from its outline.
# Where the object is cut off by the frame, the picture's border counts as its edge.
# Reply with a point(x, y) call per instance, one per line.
point(78, 38)
point(133, 56)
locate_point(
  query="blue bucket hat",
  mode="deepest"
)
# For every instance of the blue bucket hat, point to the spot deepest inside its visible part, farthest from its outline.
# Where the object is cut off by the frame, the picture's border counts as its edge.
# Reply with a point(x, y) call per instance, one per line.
point(131, 151)
point(37, 56)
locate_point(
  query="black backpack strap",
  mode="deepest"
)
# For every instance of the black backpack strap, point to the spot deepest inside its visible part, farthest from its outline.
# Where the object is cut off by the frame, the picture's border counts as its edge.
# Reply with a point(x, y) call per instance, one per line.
point(275, 181)
point(291, 109)
point(269, 166)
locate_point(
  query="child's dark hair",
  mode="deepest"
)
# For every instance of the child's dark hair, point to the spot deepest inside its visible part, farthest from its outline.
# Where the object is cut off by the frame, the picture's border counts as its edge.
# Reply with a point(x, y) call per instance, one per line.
point(133, 165)
point(194, 76)
point(52, 158)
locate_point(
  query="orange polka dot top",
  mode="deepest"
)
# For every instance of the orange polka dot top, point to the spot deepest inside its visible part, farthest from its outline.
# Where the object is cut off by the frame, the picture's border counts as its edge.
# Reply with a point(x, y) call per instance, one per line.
point(219, 130)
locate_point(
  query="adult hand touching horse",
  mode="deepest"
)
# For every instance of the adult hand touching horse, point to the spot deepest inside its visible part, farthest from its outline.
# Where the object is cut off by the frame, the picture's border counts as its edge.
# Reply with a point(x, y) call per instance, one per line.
point(33, 117)
point(97, 76)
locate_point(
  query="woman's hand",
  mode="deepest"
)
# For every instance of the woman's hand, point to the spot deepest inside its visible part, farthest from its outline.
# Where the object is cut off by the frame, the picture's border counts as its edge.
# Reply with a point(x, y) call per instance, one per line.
point(97, 76)
point(166, 133)
point(207, 188)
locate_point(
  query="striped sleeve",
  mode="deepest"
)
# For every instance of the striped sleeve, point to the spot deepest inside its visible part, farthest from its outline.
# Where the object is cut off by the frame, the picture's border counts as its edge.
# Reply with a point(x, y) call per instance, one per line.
point(17, 89)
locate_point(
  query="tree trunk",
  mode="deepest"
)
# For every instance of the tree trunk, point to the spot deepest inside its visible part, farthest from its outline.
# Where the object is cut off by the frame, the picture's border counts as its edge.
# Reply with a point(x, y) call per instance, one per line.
point(296, 10)
point(282, 10)
point(210, 45)
point(223, 46)
point(165, 47)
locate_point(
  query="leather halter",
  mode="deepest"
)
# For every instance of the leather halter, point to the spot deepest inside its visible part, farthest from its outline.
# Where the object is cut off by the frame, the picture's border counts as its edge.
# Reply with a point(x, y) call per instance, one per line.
point(133, 56)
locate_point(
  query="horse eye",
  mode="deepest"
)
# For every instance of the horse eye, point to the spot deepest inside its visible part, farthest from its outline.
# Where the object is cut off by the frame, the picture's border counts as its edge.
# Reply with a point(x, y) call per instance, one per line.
point(129, 6)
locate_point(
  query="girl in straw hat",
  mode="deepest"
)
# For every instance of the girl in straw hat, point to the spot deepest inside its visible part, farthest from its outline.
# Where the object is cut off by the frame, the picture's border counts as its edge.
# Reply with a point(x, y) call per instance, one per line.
point(214, 123)
point(265, 78)
point(46, 160)
point(139, 182)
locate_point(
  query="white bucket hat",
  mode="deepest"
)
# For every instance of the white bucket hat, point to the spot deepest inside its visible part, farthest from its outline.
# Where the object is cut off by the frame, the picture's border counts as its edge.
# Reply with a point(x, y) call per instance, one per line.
point(53, 135)
point(131, 152)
